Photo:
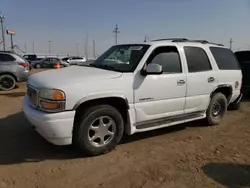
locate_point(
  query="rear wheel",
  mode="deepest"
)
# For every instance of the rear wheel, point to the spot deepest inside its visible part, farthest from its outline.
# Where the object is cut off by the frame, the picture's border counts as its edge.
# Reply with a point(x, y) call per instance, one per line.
point(7, 82)
point(38, 66)
point(98, 130)
point(216, 109)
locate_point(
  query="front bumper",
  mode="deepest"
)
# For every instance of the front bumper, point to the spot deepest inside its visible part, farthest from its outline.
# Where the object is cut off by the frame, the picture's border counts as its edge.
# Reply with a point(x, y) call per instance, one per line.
point(54, 127)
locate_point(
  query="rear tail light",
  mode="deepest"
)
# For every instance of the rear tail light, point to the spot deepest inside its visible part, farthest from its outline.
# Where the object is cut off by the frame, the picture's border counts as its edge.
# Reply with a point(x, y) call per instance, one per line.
point(25, 65)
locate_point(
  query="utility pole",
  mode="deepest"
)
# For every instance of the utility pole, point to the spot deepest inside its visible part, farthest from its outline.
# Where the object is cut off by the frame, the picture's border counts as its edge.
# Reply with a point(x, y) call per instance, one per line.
point(146, 38)
point(93, 49)
point(25, 49)
point(33, 47)
point(77, 52)
point(86, 46)
point(116, 31)
point(231, 43)
point(2, 17)
point(49, 46)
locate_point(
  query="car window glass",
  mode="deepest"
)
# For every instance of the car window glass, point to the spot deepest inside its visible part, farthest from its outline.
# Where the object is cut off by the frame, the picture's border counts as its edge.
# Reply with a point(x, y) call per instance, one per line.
point(225, 58)
point(6, 57)
point(168, 58)
point(197, 59)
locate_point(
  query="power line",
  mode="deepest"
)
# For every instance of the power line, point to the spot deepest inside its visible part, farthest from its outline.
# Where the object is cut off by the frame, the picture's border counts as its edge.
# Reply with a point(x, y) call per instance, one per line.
point(2, 17)
point(116, 31)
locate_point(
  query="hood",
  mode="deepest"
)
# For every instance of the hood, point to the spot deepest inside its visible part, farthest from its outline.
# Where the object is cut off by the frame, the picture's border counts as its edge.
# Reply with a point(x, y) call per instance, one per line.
point(70, 75)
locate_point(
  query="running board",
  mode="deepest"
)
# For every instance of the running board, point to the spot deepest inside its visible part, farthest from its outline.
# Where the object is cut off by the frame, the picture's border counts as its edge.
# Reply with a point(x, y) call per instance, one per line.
point(168, 120)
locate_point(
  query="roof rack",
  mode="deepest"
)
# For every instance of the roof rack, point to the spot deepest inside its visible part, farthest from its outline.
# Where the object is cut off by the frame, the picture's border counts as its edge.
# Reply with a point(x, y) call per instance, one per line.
point(186, 40)
point(205, 42)
point(172, 39)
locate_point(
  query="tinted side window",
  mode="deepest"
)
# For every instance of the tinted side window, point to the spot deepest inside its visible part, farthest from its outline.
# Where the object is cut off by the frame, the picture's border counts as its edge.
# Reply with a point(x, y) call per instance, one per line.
point(6, 57)
point(197, 59)
point(168, 58)
point(225, 58)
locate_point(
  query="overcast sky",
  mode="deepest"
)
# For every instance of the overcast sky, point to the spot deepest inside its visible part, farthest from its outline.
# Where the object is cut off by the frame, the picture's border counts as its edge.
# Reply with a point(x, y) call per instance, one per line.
point(66, 22)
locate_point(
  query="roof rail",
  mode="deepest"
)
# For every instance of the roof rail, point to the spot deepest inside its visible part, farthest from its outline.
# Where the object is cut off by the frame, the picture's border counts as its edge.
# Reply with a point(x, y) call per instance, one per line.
point(200, 41)
point(206, 42)
point(172, 39)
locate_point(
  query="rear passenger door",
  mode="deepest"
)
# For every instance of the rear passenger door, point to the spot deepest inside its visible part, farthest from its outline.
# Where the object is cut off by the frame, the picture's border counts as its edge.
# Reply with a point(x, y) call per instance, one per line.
point(201, 79)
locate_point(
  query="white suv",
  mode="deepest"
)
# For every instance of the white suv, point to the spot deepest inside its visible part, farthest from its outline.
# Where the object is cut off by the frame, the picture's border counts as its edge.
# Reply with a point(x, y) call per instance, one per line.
point(133, 88)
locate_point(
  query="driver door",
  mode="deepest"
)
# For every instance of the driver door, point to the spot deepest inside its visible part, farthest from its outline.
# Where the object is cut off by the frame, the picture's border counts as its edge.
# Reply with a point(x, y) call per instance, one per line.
point(160, 96)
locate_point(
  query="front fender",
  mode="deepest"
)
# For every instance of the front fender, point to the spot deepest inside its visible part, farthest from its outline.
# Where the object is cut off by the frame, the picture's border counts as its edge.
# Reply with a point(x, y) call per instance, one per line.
point(99, 96)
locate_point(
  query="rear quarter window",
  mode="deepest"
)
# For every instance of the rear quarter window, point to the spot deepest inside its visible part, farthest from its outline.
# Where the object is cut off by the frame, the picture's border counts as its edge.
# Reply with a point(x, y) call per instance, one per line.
point(225, 58)
point(6, 57)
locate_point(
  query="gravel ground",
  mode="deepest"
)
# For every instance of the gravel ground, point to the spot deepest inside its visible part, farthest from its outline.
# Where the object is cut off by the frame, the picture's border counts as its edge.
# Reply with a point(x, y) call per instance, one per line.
point(188, 155)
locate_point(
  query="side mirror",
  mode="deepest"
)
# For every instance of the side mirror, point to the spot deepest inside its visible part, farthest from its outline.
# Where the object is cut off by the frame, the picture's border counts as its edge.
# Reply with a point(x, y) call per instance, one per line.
point(153, 69)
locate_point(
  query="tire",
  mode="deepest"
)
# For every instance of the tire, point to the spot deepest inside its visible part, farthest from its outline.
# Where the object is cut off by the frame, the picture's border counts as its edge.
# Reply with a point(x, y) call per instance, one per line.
point(84, 131)
point(215, 113)
point(7, 82)
point(38, 66)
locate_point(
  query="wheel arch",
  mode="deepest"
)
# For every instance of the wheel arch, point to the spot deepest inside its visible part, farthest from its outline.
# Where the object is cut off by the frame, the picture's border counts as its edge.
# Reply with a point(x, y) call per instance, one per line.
point(9, 73)
point(226, 89)
point(118, 101)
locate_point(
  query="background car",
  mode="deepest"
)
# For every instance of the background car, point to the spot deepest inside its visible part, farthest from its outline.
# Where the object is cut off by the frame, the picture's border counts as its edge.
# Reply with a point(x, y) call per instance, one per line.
point(244, 60)
point(74, 60)
point(48, 63)
point(13, 68)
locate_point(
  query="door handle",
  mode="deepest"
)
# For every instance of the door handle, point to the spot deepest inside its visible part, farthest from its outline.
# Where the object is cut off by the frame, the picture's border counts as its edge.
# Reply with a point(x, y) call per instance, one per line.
point(180, 82)
point(211, 79)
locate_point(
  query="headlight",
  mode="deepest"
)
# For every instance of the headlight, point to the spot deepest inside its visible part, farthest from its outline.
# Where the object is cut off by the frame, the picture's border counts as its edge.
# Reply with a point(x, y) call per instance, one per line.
point(52, 100)
point(52, 94)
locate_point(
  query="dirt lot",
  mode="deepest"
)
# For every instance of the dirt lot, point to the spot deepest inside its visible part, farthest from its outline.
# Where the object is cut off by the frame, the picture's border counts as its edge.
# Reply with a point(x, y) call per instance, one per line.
point(189, 155)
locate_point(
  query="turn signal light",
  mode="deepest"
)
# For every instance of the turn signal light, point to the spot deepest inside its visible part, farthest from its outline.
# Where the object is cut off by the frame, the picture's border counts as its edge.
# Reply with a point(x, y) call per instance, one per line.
point(49, 105)
point(58, 95)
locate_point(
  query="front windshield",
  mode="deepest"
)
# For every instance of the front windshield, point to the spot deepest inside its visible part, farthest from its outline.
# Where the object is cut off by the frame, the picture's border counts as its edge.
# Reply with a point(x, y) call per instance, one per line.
point(121, 58)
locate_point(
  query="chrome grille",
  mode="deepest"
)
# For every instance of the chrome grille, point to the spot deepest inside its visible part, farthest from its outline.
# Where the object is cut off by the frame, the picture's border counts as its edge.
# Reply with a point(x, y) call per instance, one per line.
point(32, 94)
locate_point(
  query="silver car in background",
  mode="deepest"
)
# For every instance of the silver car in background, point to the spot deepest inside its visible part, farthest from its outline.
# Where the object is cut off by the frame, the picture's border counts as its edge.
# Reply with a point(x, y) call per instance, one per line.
point(13, 68)
point(74, 60)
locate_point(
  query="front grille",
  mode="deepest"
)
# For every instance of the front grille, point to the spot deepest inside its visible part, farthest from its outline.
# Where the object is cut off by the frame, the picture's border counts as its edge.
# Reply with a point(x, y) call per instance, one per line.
point(32, 94)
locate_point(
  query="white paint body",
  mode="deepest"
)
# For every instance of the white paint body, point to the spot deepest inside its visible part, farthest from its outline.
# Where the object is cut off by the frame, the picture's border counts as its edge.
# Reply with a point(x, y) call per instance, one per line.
point(167, 98)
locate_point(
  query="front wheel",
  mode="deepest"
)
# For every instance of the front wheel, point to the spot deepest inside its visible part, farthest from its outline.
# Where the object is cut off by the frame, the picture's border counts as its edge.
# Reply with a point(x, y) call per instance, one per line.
point(99, 130)
point(216, 109)
point(7, 82)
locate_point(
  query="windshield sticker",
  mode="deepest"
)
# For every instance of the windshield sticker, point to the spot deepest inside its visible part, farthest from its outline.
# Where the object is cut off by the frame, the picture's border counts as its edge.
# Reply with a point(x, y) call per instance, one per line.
point(135, 47)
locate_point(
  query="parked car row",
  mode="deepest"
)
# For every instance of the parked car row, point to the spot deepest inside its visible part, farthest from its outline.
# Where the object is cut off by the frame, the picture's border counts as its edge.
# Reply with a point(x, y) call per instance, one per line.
point(48, 63)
